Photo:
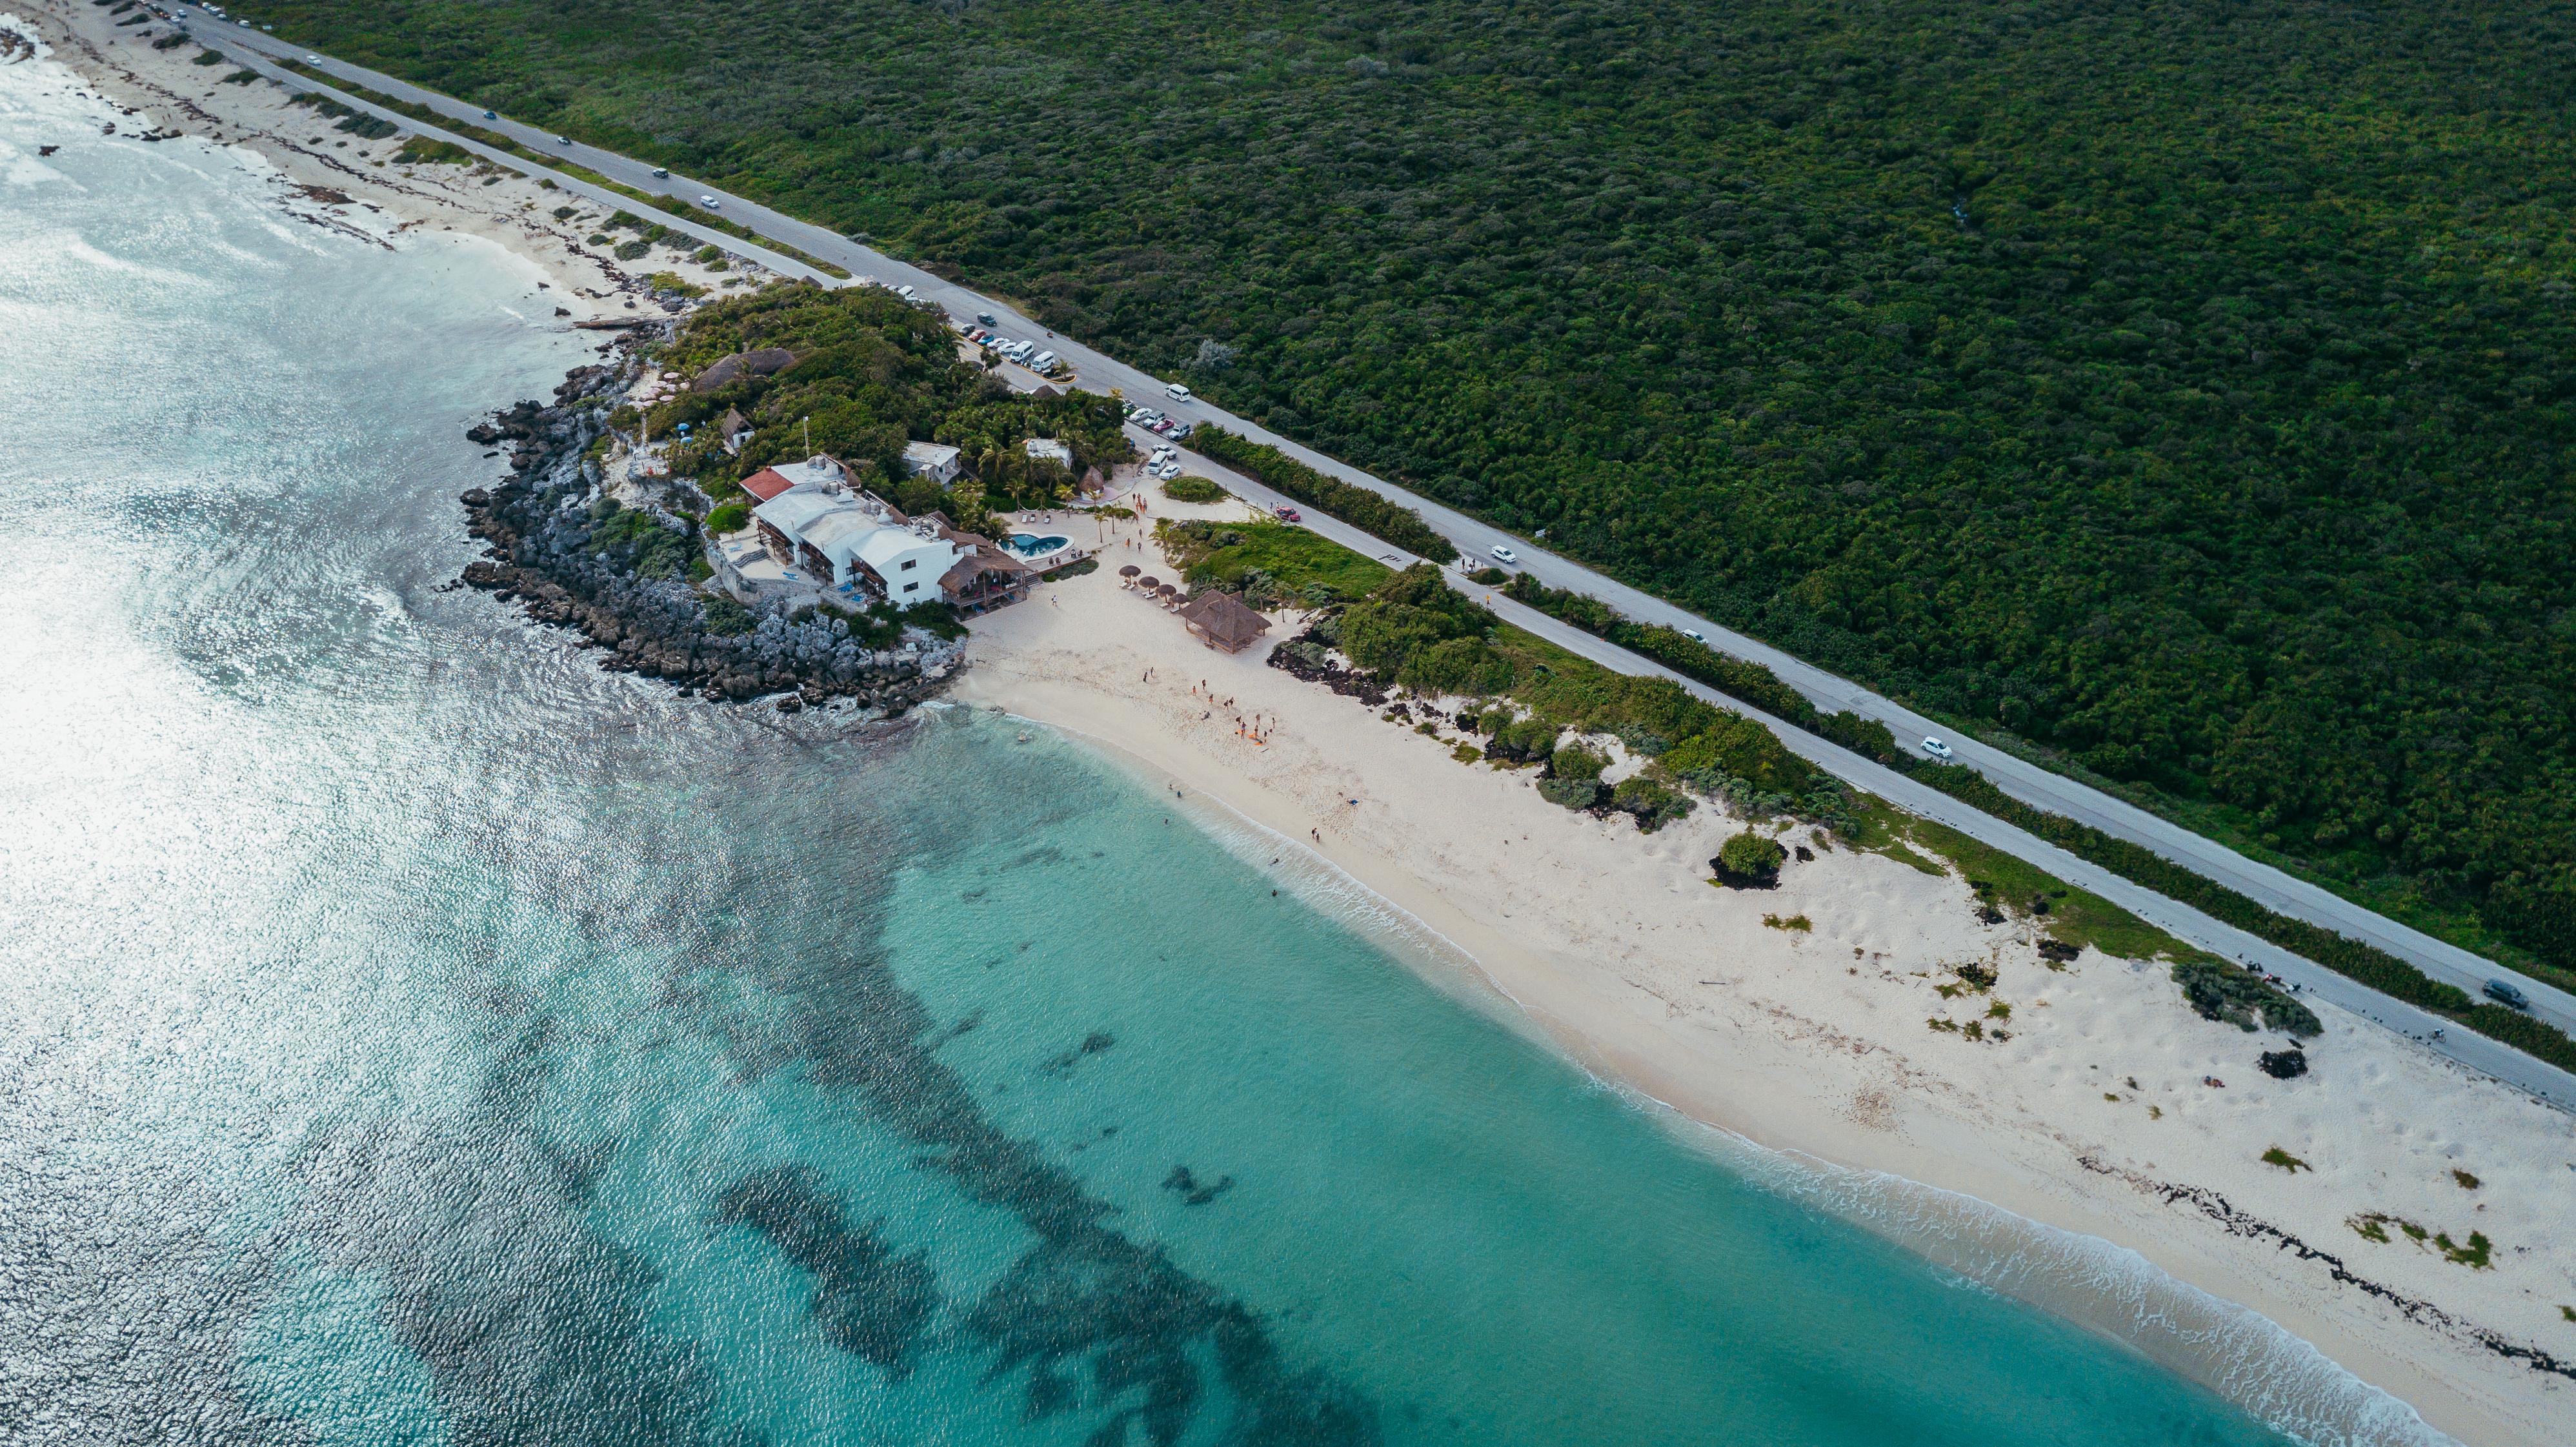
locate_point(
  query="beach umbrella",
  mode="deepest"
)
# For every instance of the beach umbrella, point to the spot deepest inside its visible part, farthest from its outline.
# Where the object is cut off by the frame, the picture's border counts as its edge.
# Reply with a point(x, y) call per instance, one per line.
point(1149, 584)
point(1129, 571)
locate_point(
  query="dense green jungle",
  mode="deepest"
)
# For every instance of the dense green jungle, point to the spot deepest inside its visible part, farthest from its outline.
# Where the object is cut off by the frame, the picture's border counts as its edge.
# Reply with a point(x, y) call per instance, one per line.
point(2181, 387)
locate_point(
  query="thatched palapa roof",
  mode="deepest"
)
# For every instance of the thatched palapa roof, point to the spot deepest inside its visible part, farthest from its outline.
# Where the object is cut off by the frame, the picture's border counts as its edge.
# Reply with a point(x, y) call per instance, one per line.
point(1224, 620)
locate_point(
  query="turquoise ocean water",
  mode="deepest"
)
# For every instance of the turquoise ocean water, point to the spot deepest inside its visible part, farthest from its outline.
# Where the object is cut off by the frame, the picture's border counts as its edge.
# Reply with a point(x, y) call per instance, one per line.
point(414, 1035)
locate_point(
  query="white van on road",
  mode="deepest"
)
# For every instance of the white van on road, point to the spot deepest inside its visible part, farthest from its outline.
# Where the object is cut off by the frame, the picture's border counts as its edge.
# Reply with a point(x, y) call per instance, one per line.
point(1177, 392)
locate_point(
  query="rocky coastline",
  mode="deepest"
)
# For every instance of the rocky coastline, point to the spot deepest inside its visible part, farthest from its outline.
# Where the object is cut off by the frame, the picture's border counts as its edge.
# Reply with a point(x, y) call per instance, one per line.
point(552, 549)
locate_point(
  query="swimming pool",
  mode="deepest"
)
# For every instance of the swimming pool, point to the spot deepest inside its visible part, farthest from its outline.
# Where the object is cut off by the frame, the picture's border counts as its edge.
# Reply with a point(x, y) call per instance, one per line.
point(1030, 545)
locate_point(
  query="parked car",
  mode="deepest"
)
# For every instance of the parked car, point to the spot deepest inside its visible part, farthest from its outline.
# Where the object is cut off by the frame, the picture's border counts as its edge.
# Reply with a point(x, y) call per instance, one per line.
point(1287, 515)
point(1694, 635)
point(1042, 361)
point(1503, 554)
point(1936, 748)
point(1177, 392)
point(1181, 433)
point(1164, 427)
point(2505, 994)
point(1168, 471)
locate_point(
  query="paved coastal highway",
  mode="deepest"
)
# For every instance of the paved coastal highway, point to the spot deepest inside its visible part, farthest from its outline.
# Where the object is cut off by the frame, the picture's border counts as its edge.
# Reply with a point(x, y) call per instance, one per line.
point(2016, 777)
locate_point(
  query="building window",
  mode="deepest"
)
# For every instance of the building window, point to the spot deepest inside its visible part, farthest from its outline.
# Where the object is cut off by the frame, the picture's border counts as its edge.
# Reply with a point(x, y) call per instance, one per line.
point(912, 587)
point(907, 565)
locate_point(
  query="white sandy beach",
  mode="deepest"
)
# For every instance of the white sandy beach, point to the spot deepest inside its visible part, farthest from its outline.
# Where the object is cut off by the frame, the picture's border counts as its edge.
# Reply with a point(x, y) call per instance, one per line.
point(2092, 1117)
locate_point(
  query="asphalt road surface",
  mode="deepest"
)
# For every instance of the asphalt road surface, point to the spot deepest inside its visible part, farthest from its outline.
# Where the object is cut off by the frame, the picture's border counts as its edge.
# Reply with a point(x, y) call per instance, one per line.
point(2022, 780)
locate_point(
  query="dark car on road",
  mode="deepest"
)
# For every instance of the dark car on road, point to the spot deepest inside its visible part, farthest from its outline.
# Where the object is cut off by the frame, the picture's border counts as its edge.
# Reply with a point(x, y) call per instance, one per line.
point(2506, 995)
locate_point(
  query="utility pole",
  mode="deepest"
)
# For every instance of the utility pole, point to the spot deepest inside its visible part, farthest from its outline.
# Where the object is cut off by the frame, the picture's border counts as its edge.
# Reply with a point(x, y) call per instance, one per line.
point(806, 423)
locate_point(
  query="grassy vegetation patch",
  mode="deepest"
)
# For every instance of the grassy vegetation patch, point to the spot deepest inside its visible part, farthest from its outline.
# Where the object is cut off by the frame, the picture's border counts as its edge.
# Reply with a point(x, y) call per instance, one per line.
point(1191, 488)
point(1299, 563)
point(426, 151)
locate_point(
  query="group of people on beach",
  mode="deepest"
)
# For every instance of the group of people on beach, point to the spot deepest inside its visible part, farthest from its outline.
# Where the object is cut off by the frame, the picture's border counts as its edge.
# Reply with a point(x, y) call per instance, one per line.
point(1257, 727)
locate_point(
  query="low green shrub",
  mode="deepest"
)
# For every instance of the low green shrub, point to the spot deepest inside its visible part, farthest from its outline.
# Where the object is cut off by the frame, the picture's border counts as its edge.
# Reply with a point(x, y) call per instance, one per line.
point(1570, 793)
point(1749, 861)
point(727, 617)
point(1651, 802)
point(2220, 990)
point(424, 151)
point(729, 518)
point(1189, 487)
point(1575, 761)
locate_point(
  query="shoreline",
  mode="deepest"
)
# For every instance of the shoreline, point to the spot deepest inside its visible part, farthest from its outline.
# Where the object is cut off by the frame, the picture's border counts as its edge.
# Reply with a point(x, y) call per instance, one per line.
point(2194, 1332)
point(349, 184)
point(2108, 1289)
point(1793, 1074)
point(1782, 1070)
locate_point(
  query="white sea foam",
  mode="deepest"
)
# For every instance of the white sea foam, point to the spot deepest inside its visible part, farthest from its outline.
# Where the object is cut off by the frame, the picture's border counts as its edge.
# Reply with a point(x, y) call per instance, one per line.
point(2243, 1356)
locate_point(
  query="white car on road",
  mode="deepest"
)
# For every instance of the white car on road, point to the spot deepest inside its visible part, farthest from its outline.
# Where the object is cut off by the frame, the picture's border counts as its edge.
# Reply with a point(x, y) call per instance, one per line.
point(1694, 635)
point(1177, 392)
point(711, 203)
point(1936, 748)
point(1504, 555)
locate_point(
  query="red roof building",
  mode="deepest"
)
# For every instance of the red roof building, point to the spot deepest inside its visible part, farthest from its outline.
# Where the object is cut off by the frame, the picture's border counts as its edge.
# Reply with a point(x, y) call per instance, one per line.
point(766, 484)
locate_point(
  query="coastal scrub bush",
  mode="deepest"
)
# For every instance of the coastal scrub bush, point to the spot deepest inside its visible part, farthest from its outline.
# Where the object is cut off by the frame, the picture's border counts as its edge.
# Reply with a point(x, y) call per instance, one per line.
point(1576, 761)
point(727, 617)
point(1571, 793)
point(1456, 665)
point(638, 539)
point(1522, 741)
point(1749, 861)
point(1650, 801)
point(1411, 610)
point(1736, 747)
point(424, 151)
point(1190, 487)
point(936, 618)
point(728, 519)
point(2221, 990)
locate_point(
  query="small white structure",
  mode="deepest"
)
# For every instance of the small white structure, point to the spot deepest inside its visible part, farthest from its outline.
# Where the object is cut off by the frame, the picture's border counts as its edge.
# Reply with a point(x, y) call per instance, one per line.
point(934, 460)
point(1048, 449)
